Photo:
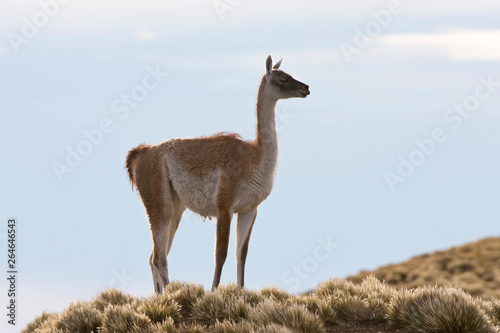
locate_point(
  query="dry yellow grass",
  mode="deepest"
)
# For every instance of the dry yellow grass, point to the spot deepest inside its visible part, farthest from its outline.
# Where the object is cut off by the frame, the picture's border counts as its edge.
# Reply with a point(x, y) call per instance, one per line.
point(474, 267)
point(336, 305)
point(439, 310)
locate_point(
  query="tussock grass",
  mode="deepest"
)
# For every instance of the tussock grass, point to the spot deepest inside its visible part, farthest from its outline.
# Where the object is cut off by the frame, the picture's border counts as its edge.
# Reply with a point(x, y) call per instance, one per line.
point(356, 303)
point(229, 326)
point(493, 309)
point(44, 319)
point(247, 327)
point(48, 329)
point(274, 328)
point(189, 308)
point(160, 308)
point(112, 297)
point(475, 267)
point(320, 307)
point(193, 328)
point(124, 319)
point(79, 318)
point(294, 316)
point(439, 310)
point(219, 306)
point(327, 313)
point(275, 294)
point(233, 291)
point(185, 294)
point(166, 326)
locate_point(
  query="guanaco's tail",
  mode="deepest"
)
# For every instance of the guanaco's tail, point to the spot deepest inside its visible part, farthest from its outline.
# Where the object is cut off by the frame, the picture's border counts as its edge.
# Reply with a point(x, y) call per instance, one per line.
point(131, 157)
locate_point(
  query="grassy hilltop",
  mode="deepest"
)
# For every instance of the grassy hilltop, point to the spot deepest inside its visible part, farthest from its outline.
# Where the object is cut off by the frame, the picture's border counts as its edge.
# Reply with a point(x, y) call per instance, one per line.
point(360, 304)
point(474, 267)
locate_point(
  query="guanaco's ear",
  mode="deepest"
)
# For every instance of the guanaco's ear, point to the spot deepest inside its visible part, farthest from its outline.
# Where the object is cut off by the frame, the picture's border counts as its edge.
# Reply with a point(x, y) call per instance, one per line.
point(269, 65)
point(278, 64)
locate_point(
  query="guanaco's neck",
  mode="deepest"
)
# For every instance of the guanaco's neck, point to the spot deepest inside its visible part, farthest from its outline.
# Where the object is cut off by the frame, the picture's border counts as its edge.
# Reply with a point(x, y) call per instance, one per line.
point(267, 140)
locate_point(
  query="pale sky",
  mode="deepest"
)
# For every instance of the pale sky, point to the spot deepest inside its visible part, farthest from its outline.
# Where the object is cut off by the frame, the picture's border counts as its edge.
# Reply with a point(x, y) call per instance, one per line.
point(394, 153)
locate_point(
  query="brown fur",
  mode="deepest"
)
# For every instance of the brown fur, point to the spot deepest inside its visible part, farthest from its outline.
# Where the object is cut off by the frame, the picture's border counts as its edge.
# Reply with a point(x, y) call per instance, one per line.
point(131, 157)
point(202, 155)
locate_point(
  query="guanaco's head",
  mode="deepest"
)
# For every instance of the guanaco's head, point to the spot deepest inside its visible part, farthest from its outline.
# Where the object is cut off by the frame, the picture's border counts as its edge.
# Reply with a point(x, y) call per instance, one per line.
point(282, 85)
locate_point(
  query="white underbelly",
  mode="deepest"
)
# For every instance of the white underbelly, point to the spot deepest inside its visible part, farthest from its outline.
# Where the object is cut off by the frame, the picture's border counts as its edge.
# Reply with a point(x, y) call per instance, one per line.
point(198, 194)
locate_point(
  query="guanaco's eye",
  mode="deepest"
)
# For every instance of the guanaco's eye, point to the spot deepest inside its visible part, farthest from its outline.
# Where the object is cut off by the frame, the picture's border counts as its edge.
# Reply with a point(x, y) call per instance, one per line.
point(284, 80)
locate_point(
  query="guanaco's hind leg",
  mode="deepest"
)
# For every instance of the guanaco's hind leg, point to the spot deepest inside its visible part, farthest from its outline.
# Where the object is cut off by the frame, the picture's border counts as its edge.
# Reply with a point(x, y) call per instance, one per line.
point(158, 258)
point(164, 212)
point(174, 225)
point(163, 236)
point(243, 230)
